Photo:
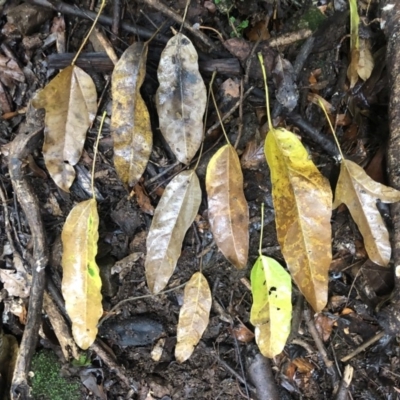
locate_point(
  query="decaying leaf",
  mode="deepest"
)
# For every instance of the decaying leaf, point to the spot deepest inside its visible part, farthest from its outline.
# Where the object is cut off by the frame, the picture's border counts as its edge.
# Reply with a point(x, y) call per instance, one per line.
point(130, 120)
point(227, 207)
point(302, 200)
point(81, 283)
point(287, 93)
point(173, 216)
point(366, 61)
point(193, 317)
point(181, 98)
point(362, 63)
point(17, 282)
point(271, 311)
point(70, 104)
point(360, 194)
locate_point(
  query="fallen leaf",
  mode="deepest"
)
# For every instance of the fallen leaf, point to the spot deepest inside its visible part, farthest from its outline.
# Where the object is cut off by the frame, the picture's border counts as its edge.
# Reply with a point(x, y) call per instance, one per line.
point(271, 311)
point(81, 283)
point(130, 119)
point(181, 98)
point(365, 61)
point(193, 316)
point(302, 200)
point(143, 199)
point(283, 74)
point(360, 194)
point(70, 104)
point(227, 207)
point(17, 282)
point(173, 216)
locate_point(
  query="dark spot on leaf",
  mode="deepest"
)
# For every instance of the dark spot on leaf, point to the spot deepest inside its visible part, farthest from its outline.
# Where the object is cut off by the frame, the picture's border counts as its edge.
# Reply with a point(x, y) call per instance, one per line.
point(273, 289)
point(185, 41)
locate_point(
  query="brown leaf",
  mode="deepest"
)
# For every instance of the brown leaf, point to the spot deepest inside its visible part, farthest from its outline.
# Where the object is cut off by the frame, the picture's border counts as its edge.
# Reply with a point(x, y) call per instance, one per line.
point(130, 120)
point(70, 104)
point(143, 199)
point(360, 194)
point(227, 207)
point(193, 317)
point(181, 98)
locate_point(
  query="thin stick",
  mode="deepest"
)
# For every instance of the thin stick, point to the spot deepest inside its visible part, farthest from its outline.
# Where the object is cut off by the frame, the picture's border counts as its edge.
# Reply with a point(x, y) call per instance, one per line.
point(361, 348)
point(129, 299)
point(219, 116)
point(260, 58)
point(240, 128)
point(95, 151)
point(103, 3)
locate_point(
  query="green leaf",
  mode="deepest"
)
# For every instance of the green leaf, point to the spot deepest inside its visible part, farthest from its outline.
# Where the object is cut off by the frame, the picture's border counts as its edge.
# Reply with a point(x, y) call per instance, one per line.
point(271, 311)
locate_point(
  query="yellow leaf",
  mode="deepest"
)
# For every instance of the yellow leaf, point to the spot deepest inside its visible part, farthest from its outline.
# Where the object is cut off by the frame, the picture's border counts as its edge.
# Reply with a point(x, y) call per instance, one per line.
point(302, 200)
point(227, 207)
point(173, 216)
point(130, 120)
point(81, 283)
point(271, 311)
point(360, 193)
point(181, 98)
point(70, 104)
point(193, 317)
point(366, 61)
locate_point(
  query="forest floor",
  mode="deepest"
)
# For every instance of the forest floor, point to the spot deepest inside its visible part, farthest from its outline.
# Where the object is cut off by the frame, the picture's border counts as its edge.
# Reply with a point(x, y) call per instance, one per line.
point(309, 38)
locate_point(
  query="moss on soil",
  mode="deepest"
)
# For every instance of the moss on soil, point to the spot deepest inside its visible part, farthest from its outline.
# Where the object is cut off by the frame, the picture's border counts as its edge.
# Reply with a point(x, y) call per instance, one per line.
point(48, 383)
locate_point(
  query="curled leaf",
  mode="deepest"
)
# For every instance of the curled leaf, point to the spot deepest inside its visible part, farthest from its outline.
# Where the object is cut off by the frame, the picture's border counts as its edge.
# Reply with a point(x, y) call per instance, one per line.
point(130, 120)
point(70, 104)
point(360, 194)
point(173, 216)
point(302, 200)
point(227, 207)
point(181, 98)
point(81, 283)
point(193, 317)
point(271, 311)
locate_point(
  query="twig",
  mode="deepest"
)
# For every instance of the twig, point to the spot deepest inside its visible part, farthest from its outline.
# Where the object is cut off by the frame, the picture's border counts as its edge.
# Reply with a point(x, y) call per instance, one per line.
point(260, 373)
point(116, 18)
point(169, 13)
point(240, 122)
point(297, 316)
point(230, 112)
point(345, 383)
point(7, 219)
point(361, 348)
point(65, 8)
point(21, 147)
point(321, 348)
point(129, 299)
point(316, 136)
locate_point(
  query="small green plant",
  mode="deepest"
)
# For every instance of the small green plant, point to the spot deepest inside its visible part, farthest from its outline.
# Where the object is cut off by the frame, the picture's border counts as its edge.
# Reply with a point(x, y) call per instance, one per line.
point(238, 27)
point(47, 382)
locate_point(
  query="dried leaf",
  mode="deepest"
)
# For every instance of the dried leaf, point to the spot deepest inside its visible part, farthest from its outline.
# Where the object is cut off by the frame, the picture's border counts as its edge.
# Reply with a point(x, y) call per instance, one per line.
point(302, 200)
point(360, 193)
point(173, 216)
point(181, 98)
point(18, 282)
point(271, 311)
point(227, 207)
point(287, 93)
point(193, 317)
point(70, 104)
point(81, 284)
point(130, 120)
point(366, 61)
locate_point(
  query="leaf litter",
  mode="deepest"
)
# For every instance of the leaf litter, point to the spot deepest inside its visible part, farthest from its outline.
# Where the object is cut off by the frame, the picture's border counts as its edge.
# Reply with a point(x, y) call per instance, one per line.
point(263, 331)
